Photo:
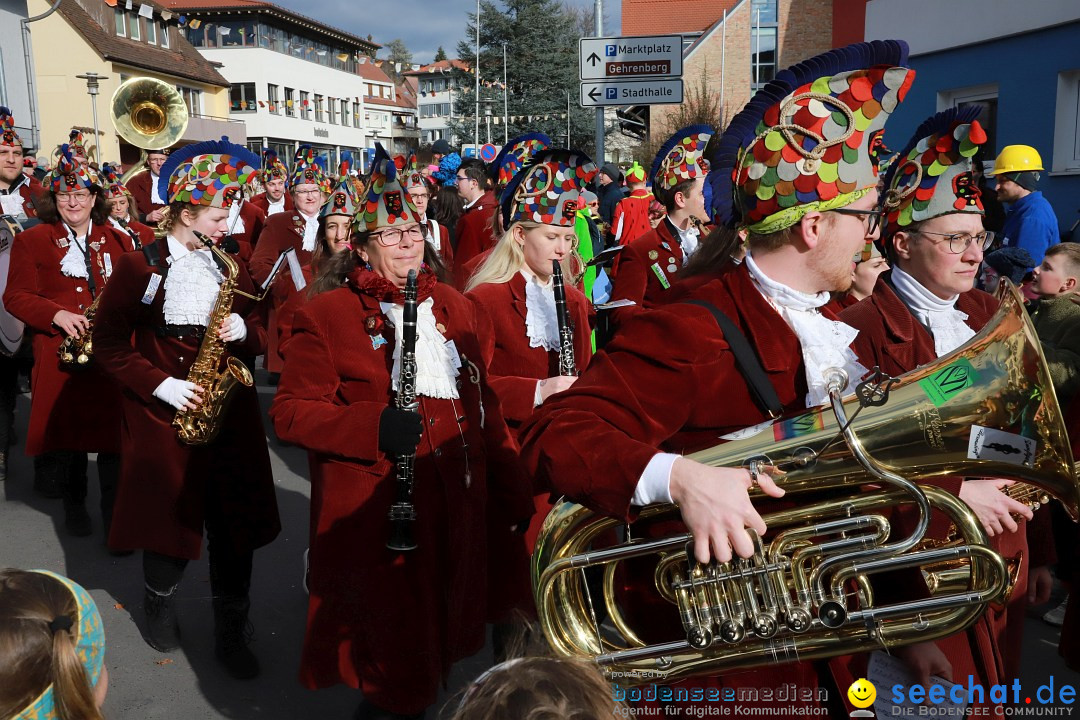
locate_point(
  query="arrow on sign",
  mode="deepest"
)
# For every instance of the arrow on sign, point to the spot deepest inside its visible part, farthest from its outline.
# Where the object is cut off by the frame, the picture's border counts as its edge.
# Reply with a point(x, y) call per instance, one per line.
point(593, 94)
point(593, 59)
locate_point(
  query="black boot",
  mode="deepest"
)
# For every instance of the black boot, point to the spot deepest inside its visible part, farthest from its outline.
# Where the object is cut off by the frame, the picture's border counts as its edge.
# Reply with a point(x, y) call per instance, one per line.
point(232, 635)
point(76, 519)
point(162, 630)
point(48, 476)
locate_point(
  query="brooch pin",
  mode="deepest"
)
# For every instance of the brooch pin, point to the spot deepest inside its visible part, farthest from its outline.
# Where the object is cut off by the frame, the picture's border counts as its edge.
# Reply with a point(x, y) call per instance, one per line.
point(96, 245)
point(62, 243)
point(374, 325)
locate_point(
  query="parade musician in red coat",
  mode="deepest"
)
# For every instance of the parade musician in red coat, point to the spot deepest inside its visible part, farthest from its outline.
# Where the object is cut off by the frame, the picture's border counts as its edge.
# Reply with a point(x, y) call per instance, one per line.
point(474, 230)
point(924, 308)
point(17, 190)
point(513, 292)
point(273, 199)
point(144, 187)
point(309, 186)
point(123, 214)
point(58, 269)
point(150, 330)
point(649, 264)
point(668, 384)
point(387, 622)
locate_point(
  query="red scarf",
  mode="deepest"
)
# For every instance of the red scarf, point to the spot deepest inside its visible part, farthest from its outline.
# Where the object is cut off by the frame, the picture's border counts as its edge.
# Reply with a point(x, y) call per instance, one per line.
point(376, 286)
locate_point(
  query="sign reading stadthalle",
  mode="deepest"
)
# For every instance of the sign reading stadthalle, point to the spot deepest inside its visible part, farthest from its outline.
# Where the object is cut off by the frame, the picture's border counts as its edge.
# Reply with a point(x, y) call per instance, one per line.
point(632, 92)
point(631, 57)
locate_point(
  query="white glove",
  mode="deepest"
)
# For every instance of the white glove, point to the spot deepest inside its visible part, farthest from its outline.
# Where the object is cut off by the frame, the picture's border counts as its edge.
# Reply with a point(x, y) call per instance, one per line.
point(175, 392)
point(233, 329)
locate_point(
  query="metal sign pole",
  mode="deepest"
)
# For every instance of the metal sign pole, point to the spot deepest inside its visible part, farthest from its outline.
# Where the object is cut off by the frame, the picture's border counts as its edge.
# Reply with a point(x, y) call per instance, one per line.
point(599, 155)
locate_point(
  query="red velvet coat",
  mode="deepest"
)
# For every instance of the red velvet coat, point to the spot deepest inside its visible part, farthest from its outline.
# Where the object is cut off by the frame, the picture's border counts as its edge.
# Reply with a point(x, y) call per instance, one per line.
point(263, 203)
point(139, 187)
point(891, 338)
point(388, 623)
point(473, 230)
point(281, 232)
point(446, 252)
point(145, 234)
point(666, 382)
point(161, 501)
point(30, 189)
point(514, 369)
point(637, 278)
point(68, 411)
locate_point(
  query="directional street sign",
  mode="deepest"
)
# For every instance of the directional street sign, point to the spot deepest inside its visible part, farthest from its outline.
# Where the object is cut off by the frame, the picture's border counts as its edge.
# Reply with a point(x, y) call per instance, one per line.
point(652, 56)
point(632, 92)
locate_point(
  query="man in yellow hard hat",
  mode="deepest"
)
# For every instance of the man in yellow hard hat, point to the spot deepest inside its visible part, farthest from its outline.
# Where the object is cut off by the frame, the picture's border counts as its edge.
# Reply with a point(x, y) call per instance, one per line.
point(1030, 222)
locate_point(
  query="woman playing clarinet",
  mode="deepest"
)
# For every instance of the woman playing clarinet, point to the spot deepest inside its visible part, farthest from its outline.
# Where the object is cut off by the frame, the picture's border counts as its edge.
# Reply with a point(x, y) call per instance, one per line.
point(515, 291)
point(391, 622)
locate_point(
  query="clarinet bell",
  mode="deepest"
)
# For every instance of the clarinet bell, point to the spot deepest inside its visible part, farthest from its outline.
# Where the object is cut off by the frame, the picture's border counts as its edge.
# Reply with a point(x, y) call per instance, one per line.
point(402, 518)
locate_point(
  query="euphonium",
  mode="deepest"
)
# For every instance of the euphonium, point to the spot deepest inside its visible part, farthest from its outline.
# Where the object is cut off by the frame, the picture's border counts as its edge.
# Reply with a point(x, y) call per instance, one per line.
point(77, 351)
point(988, 409)
point(201, 425)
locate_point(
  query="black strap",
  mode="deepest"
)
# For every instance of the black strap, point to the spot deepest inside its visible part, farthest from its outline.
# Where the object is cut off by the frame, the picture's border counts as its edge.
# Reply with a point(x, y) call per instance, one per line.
point(746, 360)
point(152, 253)
point(85, 250)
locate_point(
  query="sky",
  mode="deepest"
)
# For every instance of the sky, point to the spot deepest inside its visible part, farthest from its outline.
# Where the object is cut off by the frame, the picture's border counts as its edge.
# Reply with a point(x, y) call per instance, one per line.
point(428, 23)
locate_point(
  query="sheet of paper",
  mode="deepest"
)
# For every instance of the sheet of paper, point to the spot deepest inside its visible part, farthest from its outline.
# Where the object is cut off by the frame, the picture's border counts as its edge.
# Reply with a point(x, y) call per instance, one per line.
point(885, 671)
point(615, 304)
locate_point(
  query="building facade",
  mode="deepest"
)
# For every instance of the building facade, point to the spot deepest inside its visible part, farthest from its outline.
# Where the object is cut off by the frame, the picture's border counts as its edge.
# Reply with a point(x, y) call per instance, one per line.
point(435, 103)
point(296, 81)
point(85, 36)
point(1020, 63)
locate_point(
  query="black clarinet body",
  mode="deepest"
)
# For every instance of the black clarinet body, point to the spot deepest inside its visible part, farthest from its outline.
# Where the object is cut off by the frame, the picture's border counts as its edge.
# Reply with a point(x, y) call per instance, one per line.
point(131, 231)
point(402, 512)
point(567, 362)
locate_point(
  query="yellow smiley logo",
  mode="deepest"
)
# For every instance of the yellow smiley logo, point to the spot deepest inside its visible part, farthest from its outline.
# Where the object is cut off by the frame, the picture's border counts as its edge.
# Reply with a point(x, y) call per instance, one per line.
point(862, 693)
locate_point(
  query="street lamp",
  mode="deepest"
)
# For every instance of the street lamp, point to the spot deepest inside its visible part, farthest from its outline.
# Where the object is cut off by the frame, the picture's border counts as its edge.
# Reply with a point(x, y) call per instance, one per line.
point(487, 117)
point(92, 87)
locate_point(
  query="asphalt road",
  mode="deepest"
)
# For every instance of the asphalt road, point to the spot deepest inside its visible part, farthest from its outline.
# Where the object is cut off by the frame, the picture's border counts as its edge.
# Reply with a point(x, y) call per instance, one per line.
point(145, 684)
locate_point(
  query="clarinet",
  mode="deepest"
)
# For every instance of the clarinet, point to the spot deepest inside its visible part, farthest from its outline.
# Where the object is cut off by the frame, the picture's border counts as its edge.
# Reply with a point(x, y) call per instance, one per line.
point(567, 363)
point(134, 235)
point(402, 512)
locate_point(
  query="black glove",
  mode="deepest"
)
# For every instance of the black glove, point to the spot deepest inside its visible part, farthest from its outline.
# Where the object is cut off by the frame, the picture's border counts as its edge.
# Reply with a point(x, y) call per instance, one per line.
point(230, 245)
point(399, 431)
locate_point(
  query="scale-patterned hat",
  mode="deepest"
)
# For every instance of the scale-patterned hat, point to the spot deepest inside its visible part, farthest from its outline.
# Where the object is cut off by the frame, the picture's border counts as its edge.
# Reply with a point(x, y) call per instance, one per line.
point(682, 157)
point(272, 167)
point(210, 173)
point(308, 170)
point(932, 175)
point(69, 174)
point(386, 204)
point(343, 199)
point(8, 136)
point(110, 180)
point(78, 144)
point(547, 189)
point(515, 155)
point(809, 140)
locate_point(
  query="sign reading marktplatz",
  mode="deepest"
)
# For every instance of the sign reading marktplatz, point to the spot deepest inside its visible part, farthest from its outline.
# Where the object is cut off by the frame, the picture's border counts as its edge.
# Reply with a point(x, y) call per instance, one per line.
point(642, 70)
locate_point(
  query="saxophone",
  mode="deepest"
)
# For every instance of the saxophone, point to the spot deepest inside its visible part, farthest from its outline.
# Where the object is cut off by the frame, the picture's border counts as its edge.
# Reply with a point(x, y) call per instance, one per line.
point(76, 351)
point(201, 425)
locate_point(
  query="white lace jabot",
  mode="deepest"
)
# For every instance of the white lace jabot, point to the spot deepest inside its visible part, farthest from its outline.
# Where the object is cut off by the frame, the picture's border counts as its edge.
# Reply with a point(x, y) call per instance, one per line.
point(192, 286)
point(436, 374)
point(73, 264)
point(273, 208)
point(940, 317)
point(311, 228)
point(541, 322)
point(825, 343)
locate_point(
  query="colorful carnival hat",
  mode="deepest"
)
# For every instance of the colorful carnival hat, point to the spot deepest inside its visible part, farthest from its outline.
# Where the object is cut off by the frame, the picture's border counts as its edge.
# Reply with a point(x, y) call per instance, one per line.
point(272, 167)
point(88, 633)
point(78, 144)
point(547, 189)
point(385, 202)
point(308, 170)
point(210, 173)
point(682, 157)
point(343, 199)
point(515, 155)
point(869, 252)
point(932, 176)
point(69, 174)
point(110, 181)
point(808, 140)
point(8, 136)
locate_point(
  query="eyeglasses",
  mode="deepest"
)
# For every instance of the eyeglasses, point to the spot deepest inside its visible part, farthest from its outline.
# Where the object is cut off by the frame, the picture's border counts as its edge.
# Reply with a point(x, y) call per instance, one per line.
point(308, 193)
point(390, 238)
point(959, 242)
point(463, 177)
point(420, 196)
point(872, 218)
point(80, 197)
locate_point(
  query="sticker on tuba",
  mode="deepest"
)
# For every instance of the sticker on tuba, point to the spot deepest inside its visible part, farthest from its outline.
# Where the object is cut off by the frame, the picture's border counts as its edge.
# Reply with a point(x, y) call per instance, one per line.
point(990, 444)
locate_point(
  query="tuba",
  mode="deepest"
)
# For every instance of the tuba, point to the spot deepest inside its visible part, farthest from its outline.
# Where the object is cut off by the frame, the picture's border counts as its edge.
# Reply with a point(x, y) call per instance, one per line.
point(987, 409)
point(150, 114)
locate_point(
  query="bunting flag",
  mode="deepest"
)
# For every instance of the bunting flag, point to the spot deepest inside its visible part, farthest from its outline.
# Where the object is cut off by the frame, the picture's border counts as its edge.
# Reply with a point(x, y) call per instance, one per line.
point(262, 104)
point(195, 24)
point(111, 3)
point(128, 5)
point(343, 57)
point(146, 11)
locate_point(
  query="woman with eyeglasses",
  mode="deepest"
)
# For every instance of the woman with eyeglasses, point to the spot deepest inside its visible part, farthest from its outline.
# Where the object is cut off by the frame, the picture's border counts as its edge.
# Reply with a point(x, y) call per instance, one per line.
point(391, 623)
point(58, 269)
point(924, 308)
point(299, 230)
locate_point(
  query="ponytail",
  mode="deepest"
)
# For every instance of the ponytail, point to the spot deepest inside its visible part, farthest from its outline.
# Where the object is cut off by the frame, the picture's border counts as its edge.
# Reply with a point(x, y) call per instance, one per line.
point(73, 697)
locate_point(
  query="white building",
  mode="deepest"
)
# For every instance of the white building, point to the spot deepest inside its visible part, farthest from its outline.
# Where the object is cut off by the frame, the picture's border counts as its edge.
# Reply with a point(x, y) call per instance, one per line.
point(295, 81)
point(435, 105)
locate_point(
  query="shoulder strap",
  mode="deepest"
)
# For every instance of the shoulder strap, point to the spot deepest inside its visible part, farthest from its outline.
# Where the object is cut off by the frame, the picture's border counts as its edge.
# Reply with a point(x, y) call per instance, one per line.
point(746, 360)
point(152, 253)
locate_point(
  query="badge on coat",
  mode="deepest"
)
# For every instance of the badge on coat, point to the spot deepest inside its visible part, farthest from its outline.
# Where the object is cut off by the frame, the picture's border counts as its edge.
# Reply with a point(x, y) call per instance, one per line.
point(653, 254)
point(655, 267)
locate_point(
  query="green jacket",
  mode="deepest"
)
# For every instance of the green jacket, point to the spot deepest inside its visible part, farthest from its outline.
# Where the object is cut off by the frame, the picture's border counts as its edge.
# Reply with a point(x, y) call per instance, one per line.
point(1057, 321)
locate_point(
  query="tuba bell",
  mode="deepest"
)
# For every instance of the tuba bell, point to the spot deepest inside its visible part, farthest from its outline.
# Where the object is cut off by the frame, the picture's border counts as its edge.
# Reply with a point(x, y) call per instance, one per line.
point(148, 113)
point(988, 409)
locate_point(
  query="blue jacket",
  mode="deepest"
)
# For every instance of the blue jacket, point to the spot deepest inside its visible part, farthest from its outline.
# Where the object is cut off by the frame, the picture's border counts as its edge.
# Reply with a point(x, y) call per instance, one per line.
point(1031, 224)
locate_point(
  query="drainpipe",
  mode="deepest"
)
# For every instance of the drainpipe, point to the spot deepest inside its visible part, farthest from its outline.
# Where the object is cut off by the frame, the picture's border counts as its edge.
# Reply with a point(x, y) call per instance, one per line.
point(35, 132)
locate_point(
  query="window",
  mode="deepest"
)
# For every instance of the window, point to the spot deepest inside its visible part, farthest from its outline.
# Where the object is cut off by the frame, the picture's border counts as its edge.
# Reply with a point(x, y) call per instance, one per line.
point(133, 27)
point(331, 110)
point(192, 98)
point(763, 55)
point(242, 98)
point(151, 32)
point(319, 109)
point(273, 98)
point(121, 22)
point(164, 35)
point(290, 102)
point(346, 116)
point(1067, 124)
point(765, 10)
point(305, 105)
point(435, 110)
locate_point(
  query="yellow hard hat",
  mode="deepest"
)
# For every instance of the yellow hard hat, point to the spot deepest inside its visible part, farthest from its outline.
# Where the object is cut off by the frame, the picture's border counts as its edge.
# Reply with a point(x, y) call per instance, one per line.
point(1017, 158)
